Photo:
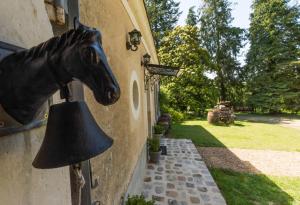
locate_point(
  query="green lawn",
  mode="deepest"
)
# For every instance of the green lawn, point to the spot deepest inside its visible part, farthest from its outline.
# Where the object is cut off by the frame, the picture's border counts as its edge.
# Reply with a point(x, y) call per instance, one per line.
point(243, 188)
point(243, 134)
point(246, 189)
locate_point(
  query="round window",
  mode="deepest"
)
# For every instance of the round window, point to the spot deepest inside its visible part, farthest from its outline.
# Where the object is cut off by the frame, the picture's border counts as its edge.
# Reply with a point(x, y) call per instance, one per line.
point(135, 95)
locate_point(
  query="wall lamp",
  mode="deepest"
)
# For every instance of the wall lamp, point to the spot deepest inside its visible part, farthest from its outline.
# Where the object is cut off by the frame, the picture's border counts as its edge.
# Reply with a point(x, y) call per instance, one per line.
point(134, 40)
point(146, 60)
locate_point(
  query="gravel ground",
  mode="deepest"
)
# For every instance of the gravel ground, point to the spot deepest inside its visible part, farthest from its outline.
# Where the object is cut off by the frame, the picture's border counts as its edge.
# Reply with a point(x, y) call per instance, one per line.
point(283, 121)
point(277, 163)
point(291, 123)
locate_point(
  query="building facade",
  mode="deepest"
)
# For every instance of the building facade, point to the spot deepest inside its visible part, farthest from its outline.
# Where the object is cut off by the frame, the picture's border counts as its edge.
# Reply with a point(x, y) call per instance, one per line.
point(129, 121)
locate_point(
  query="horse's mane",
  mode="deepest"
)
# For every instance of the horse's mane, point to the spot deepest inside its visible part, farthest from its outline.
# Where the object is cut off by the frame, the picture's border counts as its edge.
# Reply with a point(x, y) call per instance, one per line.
point(54, 45)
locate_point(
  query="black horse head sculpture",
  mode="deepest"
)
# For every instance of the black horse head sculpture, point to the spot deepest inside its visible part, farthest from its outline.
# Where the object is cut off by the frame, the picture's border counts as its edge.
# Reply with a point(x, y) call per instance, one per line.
point(29, 77)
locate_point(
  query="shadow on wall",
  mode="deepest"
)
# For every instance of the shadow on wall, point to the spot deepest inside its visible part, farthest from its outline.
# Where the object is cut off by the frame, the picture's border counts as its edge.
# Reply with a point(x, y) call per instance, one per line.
point(245, 183)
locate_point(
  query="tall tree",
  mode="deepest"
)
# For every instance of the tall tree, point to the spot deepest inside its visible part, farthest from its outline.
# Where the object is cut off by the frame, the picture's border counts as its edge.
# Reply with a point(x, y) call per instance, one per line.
point(192, 88)
point(163, 16)
point(223, 42)
point(192, 18)
point(274, 36)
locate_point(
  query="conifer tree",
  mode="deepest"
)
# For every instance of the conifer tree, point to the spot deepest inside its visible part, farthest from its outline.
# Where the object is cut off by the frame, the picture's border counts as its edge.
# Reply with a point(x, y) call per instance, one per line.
point(192, 18)
point(223, 42)
point(163, 16)
point(274, 36)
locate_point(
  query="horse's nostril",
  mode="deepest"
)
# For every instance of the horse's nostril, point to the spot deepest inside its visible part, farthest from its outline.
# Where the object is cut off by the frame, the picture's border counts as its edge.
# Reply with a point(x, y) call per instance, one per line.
point(109, 95)
point(113, 93)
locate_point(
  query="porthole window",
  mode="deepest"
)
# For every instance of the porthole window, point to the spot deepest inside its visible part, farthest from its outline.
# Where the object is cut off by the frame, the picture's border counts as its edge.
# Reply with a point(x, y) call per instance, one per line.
point(135, 95)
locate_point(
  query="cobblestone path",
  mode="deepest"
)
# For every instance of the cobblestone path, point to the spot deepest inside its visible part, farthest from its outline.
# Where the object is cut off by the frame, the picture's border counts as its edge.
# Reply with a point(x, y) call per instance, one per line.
point(181, 177)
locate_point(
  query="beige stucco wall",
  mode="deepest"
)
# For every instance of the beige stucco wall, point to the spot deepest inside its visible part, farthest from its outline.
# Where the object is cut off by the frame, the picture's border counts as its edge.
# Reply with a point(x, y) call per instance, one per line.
point(25, 23)
point(115, 167)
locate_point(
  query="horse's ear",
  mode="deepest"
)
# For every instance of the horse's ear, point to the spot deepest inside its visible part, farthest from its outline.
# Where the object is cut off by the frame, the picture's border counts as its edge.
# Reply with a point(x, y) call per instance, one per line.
point(77, 23)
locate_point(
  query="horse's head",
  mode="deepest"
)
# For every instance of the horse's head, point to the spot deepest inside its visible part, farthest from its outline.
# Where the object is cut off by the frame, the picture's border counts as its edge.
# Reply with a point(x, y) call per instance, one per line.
point(87, 62)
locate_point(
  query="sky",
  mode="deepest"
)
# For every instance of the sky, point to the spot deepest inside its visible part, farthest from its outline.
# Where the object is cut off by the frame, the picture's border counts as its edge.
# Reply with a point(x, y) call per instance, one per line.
point(240, 13)
point(241, 10)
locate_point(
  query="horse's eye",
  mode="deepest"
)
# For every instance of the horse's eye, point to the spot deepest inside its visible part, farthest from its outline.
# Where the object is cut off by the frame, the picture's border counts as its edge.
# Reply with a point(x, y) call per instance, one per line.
point(91, 56)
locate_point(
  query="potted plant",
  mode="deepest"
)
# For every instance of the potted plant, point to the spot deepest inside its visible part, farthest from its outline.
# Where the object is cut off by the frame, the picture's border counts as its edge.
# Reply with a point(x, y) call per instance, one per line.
point(154, 149)
point(138, 200)
point(158, 131)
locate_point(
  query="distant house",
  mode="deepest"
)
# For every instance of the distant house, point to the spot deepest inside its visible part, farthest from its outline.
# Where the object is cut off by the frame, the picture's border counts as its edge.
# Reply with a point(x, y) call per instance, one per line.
point(129, 122)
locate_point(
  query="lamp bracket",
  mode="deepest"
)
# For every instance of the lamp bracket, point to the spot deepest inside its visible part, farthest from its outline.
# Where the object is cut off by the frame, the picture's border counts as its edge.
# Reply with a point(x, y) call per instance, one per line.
point(150, 79)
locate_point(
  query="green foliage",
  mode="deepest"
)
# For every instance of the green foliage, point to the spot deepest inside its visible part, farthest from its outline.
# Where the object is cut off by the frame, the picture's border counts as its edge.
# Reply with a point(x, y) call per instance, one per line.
point(271, 71)
point(163, 16)
point(192, 90)
point(166, 105)
point(176, 115)
point(154, 144)
point(192, 18)
point(138, 200)
point(223, 43)
point(159, 129)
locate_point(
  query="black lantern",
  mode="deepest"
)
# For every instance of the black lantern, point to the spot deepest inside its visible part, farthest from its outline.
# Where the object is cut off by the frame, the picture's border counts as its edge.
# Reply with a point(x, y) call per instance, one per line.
point(146, 59)
point(134, 40)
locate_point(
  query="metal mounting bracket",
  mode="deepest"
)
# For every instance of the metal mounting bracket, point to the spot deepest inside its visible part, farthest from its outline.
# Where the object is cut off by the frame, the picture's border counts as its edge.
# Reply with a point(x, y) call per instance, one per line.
point(7, 124)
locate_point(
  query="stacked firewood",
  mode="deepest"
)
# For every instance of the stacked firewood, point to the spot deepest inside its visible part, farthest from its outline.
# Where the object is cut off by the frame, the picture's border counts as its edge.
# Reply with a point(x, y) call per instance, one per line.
point(221, 113)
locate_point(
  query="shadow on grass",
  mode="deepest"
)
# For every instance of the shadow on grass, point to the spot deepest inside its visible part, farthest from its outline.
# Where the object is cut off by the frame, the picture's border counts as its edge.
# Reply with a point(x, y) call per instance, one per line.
point(238, 124)
point(197, 134)
point(238, 188)
point(229, 125)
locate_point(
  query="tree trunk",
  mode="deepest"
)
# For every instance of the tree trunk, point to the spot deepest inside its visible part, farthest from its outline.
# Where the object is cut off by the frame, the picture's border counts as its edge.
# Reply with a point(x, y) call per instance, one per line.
point(222, 90)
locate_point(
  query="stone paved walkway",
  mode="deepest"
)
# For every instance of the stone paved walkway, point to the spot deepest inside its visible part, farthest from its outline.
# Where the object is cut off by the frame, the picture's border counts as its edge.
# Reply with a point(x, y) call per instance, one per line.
point(181, 177)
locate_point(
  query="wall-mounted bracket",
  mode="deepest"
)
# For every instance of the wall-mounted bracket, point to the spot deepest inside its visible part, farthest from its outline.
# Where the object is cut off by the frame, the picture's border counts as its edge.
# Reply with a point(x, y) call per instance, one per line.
point(150, 80)
point(7, 124)
point(152, 73)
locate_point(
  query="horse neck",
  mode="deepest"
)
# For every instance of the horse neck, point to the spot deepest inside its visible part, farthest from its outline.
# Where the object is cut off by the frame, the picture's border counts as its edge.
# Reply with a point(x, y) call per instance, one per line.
point(25, 87)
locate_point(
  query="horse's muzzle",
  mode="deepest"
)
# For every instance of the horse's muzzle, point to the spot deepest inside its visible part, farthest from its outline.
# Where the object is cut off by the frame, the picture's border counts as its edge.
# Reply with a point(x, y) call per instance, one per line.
point(112, 94)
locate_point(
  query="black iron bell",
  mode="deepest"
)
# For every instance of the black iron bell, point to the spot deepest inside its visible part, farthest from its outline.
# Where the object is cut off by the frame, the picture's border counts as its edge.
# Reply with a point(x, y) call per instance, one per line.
point(72, 135)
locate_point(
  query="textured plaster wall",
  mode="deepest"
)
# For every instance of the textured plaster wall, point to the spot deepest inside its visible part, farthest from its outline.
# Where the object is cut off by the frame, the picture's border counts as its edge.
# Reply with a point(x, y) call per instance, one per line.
point(25, 23)
point(115, 167)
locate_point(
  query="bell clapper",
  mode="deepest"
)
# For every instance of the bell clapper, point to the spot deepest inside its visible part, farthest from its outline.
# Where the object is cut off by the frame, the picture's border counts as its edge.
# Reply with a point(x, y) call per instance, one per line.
point(80, 181)
point(65, 93)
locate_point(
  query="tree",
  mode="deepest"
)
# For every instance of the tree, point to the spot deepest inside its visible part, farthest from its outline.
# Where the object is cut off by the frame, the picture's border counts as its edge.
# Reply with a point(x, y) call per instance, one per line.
point(192, 89)
point(192, 18)
point(163, 16)
point(223, 42)
point(274, 36)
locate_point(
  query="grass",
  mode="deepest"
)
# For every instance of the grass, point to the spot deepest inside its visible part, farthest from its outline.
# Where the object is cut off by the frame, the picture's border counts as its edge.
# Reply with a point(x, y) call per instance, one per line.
point(248, 135)
point(246, 189)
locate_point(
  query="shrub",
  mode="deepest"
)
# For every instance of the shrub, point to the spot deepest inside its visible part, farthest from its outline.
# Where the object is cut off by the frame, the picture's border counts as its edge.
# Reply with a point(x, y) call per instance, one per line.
point(176, 115)
point(138, 200)
point(154, 144)
point(159, 129)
